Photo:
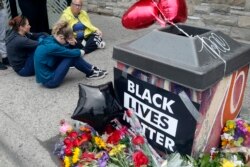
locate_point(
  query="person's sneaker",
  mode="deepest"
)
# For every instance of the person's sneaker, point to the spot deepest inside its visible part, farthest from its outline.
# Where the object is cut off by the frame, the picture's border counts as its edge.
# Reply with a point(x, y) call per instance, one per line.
point(96, 75)
point(101, 45)
point(99, 70)
point(2, 66)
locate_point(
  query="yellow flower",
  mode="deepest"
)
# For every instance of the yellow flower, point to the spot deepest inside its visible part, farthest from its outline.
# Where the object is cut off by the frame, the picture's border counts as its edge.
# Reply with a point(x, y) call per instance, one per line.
point(226, 163)
point(99, 142)
point(225, 129)
point(248, 128)
point(66, 161)
point(117, 149)
point(230, 124)
point(76, 154)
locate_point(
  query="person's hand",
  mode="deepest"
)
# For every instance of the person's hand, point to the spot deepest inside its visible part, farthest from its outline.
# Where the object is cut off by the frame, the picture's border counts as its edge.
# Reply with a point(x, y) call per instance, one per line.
point(71, 41)
point(98, 32)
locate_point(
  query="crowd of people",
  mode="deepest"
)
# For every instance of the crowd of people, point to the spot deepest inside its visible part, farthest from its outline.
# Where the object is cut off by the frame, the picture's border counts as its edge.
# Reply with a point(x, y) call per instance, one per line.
point(49, 57)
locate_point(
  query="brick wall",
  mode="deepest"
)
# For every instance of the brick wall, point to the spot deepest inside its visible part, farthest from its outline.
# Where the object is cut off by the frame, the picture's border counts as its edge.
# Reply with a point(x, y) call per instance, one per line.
point(232, 17)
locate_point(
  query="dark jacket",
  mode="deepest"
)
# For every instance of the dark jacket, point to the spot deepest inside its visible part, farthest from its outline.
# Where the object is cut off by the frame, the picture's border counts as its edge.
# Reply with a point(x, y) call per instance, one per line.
point(19, 48)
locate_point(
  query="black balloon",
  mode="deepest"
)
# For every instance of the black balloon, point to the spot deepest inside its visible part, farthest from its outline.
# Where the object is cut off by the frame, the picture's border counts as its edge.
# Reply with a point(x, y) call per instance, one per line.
point(97, 106)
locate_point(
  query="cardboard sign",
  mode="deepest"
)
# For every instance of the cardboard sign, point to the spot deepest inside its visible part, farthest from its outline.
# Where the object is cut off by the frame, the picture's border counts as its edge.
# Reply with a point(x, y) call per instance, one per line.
point(166, 122)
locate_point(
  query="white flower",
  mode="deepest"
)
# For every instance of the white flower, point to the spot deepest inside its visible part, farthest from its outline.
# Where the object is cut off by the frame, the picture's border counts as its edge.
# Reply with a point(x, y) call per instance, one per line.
point(226, 136)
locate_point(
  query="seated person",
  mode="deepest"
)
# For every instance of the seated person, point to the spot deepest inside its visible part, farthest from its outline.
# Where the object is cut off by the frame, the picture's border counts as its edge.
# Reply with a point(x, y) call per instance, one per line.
point(53, 59)
point(3, 52)
point(87, 35)
point(21, 45)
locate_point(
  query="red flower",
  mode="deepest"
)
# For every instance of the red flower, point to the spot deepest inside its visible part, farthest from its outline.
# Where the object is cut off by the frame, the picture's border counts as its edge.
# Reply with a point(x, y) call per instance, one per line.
point(73, 134)
point(140, 159)
point(68, 151)
point(138, 140)
point(115, 137)
point(84, 138)
point(109, 129)
point(88, 156)
point(67, 142)
point(123, 130)
point(76, 142)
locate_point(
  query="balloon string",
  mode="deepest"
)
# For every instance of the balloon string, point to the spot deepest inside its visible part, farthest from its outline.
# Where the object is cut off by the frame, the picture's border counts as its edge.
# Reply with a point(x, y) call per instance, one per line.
point(185, 33)
point(165, 19)
point(181, 30)
point(215, 53)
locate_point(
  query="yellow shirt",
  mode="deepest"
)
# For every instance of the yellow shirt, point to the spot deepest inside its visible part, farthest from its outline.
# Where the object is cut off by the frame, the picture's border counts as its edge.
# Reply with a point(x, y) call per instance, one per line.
point(82, 17)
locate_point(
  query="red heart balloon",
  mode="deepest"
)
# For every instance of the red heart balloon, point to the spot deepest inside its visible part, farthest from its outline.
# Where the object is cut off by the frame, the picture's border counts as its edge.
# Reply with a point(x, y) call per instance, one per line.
point(173, 10)
point(141, 15)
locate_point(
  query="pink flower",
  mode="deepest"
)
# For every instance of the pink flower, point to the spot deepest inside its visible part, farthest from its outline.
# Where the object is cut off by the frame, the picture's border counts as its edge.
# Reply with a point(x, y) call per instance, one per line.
point(65, 127)
point(129, 113)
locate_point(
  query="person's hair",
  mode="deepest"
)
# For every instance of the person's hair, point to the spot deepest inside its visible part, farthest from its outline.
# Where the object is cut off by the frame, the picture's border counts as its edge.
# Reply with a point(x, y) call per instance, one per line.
point(73, 1)
point(17, 21)
point(62, 28)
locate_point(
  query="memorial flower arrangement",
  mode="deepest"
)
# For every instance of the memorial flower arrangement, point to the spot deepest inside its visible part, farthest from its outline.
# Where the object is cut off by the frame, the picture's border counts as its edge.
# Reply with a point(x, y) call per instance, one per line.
point(119, 146)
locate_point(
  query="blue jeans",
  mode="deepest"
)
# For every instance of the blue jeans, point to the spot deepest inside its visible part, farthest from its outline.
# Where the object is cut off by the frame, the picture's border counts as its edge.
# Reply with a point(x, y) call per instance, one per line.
point(28, 69)
point(63, 67)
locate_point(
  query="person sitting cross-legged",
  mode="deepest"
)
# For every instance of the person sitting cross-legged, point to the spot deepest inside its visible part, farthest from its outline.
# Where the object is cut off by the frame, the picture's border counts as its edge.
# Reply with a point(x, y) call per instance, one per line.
point(88, 37)
point(53, 59)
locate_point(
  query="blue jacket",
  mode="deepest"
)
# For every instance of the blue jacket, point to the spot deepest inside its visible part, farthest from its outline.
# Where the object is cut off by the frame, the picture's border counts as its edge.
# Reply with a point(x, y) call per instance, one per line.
point(47, 55)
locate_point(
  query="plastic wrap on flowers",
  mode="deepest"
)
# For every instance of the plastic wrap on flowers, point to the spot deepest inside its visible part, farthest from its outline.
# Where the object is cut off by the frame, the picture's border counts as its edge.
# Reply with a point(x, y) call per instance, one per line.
point(97, 105)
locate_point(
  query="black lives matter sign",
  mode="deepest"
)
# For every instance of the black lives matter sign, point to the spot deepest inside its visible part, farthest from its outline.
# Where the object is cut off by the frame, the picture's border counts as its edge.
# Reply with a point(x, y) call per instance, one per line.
point(165, 120)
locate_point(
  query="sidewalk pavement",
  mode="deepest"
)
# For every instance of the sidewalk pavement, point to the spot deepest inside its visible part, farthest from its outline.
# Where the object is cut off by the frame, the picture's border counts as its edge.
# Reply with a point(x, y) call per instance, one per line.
point(30, 113)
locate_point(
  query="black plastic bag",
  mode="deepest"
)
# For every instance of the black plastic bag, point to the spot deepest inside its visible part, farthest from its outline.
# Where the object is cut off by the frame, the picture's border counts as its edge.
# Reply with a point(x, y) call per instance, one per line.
point(97, 106)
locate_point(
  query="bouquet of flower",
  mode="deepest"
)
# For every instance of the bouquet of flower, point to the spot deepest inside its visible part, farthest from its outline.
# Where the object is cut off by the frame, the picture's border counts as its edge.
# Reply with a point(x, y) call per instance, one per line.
point(216, 158)
point(236, 133)
point(118, 147)
point(221, 158)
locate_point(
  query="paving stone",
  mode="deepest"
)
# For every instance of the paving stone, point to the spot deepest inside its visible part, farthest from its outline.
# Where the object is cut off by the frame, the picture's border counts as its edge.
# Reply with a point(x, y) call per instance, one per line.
point(244, 21)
